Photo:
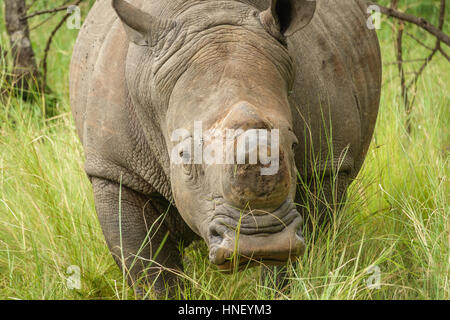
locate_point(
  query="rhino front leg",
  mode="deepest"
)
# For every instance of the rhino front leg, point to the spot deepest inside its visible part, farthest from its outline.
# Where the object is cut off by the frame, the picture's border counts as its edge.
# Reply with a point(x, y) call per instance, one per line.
point(141, 244)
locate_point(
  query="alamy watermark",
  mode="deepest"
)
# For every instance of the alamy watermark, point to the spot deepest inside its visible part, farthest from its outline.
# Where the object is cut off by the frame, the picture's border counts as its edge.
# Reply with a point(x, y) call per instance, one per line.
point(374, 281)
point(374, 21)
point(74, 21)
point(227, 146)
point(74, 280)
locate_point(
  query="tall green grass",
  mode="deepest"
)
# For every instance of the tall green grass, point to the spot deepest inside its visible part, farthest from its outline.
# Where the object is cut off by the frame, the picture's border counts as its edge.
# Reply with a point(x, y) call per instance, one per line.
point(396, 217)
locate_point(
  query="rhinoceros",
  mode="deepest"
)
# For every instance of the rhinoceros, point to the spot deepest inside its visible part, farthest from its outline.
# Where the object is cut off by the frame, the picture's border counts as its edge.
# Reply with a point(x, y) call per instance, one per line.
point(147, 77)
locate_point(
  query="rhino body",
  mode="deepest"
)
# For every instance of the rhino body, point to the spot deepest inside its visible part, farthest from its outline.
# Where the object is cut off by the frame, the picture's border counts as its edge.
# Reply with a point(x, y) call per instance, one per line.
point(142, 70)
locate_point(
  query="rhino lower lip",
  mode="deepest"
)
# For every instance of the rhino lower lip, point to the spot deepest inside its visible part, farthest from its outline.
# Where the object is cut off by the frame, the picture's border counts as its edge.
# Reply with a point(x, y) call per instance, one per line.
point(274, 244)
point(228, 260)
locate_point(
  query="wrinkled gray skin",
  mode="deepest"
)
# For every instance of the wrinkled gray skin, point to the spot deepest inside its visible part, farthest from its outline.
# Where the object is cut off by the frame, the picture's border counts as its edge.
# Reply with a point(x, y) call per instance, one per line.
point(139, 72)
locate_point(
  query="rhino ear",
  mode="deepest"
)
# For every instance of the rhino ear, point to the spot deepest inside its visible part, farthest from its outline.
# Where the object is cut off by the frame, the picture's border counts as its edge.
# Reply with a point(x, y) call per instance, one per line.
point(137, 23)
point(288, 16)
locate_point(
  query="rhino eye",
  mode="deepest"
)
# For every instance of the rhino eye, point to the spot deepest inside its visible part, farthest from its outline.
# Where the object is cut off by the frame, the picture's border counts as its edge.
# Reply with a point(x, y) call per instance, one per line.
point(185, 156)
point(294, 145)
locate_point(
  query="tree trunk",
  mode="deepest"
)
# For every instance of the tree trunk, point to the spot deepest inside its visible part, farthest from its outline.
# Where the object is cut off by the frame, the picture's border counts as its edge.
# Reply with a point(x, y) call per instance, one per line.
point(24, 62)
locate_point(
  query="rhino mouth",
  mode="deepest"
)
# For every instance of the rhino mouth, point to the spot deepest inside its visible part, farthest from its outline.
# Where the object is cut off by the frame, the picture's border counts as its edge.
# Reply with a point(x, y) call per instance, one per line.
point(238, 240)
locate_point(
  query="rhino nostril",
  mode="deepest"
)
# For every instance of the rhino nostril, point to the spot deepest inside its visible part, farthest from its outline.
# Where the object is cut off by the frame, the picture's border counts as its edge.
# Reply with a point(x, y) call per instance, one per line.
point(214, 233)
point(214, 236)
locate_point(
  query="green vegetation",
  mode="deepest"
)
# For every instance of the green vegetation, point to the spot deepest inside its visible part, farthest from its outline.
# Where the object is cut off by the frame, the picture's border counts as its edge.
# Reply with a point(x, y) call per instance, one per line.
point(396, 218)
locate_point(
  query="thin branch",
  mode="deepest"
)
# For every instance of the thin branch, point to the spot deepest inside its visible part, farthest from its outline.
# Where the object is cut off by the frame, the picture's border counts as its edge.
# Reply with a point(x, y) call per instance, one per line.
point(404, 61)
point(400, 62)
point(32, 4)
point(444, 54)
point(54, 10)
point(418, 41)
point(42, 22)
point(49, 42)
point(420, 22)
point(436, 49)
point(401, 71)
point(442, 15)
point(398, 27)
point(422, 68)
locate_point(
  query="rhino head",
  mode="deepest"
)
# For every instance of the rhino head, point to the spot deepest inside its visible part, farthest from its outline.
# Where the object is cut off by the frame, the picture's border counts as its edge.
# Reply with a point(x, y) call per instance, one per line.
point(214, 77)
